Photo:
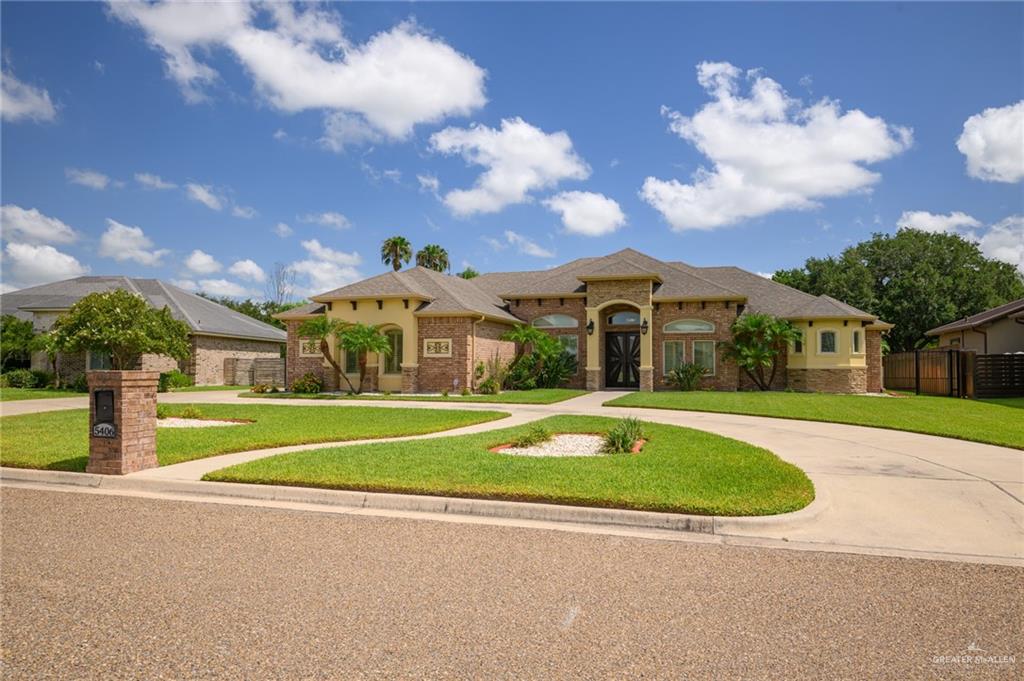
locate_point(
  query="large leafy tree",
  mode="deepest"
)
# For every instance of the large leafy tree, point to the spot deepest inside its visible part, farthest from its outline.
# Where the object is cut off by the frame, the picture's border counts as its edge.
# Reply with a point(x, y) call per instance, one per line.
point(15, 339)
point(396, 251)
point(362, 339)
point(433, 257)
point(321, 330)
point(468, 273)
point(758, 341)
point(121, 324)
point(913, 279)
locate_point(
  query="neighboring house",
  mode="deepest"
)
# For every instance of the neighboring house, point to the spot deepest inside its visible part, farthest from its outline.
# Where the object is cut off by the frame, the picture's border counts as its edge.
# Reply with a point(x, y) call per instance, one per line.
point(991, 332)
point(627, 317)
point(217, 333)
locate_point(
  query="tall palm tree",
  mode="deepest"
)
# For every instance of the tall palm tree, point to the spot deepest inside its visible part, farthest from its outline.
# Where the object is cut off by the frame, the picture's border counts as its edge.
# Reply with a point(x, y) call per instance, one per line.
point(320, 330)
point(361, 339)
point(433, 257)
point(396, 251)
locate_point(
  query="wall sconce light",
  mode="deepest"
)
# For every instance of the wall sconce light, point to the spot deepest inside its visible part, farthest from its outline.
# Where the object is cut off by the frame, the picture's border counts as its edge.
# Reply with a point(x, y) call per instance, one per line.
point(643, 328)
point(590, 328)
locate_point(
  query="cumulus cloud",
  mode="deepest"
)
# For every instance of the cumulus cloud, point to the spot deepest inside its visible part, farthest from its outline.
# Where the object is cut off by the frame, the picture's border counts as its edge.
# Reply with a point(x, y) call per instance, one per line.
point(324, 269)
point(326, 219)
point(246, 212)
point(429, 183)
point(587, 213)
point(202, 262)
point(1005, 241)
point(519, 158)
point(768, 151)
point(187, 284)
point(993, 143)
point(300, 59)
point(20, 101)
point(931, 222)
point(224, 287)
point(31, 226)
point(123, 243)
point(30, 265)
point(283, 230)
point(150, 181)
point(248, 270)
point(526, 246)
point(342, 129)
point(89, 178)
point(204, 194)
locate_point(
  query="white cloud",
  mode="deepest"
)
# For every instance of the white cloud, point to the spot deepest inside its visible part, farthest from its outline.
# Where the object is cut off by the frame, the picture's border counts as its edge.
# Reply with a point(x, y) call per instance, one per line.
point(247, 269)
point(342, 129)
point(1005, 241)
point(20, 101)
point(204, 194)
point(122, 242)
point(223, 287)
point(150, 181)
point(246, 212)
point(524, 245)
point(187, 284)
point(993, 142)
point(496, 244)
point(89, 178)
point(202, 262)
point(769, 152)
point(280, 135)
point(429, 183)
point(283, 230)
point(301, 60)
point(519, 159)
point(324, 269)
point(327, 219)
point(587, 213)
point(100, 67)
point(931, 222)
point(32, 226)
point(30, 265)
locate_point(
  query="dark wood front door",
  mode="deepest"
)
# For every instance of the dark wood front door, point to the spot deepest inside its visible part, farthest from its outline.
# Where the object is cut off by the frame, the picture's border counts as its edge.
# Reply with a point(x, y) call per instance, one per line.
point(622, 359)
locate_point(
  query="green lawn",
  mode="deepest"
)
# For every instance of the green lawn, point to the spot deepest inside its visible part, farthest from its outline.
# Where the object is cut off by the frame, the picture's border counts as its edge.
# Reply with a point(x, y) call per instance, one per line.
point(679, 470)
point(994, 422)
point(538, 396)
point(15, 394)
point(59, 440)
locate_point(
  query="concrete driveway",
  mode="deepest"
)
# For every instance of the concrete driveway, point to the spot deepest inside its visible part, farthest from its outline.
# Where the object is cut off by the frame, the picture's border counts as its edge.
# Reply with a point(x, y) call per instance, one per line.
point(887, 492)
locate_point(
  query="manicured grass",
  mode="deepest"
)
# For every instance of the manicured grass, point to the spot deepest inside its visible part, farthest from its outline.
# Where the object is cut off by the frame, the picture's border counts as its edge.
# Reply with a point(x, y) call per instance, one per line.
point(59, 440)
point(679, 470)
point(538, 396)
point(16, 394)
point(993, 422)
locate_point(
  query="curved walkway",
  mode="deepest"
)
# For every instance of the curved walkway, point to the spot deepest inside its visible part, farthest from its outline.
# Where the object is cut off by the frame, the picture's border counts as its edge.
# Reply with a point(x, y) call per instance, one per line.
point(889, 491)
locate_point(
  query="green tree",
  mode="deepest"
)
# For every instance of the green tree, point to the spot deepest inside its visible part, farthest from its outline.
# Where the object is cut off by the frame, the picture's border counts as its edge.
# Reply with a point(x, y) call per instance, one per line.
point(121, 324)
point(362, 339)
point(262, 310)
point(47, 343)
point(758, 340)
point(524, 335)
point(913, 279)
point(321, 330)
point(433, 257)
point(15, 339)
point(396, 251)
point(468, 273)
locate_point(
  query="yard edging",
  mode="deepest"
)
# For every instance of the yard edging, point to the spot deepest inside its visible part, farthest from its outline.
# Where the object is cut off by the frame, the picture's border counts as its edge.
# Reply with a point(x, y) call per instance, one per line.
point(518, 510)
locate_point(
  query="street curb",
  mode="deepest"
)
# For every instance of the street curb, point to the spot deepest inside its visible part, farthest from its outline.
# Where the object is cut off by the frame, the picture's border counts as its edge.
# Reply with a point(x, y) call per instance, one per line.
point(423, 504)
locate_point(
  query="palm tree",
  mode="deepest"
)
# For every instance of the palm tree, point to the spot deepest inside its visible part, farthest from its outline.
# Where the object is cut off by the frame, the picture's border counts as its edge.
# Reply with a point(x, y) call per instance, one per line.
point(320, 329)
point(361, 339)
point(758, 341)
point(396, 251)
point(468, 273)
point(433, 257)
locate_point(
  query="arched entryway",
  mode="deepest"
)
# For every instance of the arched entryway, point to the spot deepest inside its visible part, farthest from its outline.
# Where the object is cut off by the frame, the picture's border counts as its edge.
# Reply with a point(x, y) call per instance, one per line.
point(620, 328)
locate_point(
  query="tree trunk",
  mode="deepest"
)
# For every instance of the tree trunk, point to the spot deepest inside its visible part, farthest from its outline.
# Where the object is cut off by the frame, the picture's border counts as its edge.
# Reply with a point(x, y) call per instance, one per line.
point(325, 350)
point(362, 372)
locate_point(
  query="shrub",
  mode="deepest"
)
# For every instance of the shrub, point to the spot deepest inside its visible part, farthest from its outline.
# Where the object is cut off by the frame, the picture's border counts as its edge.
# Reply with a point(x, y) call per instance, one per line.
point(309, 384)
point(260, 388)
point(191, 412)
point(444, 393)
point(621, 437)
point(44, 379)
point(169, 380)
point(534, 436)
point(275, 389)
point(490, 386)
point(4, 383)
point(686, 376)
point(80, 384)
point(466, 391)
point(162, 411)
point(20, 378)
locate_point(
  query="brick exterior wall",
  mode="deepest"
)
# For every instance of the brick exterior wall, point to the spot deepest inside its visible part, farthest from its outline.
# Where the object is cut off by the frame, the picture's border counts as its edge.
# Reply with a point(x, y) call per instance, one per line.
point(530, 309)
point(297, 366)
point(873, 349)
point(726, 375)
point(157, 363)
point(853, 380)
point(439, 373)
point(134, 446)
point(206, 364)
point(488, 343)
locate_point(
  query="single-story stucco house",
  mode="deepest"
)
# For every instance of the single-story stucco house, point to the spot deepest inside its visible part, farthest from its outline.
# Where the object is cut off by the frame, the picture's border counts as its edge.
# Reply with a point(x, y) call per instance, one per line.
point(217, 332)
point(629, 319)
point(994, 331)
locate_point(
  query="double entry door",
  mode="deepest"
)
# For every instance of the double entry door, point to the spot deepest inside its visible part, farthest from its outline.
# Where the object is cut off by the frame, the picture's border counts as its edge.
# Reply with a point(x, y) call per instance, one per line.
point(622, 359)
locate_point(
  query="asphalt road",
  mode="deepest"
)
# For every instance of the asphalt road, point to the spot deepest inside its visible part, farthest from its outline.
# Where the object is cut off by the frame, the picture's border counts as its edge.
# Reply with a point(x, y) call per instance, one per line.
point(116, 587)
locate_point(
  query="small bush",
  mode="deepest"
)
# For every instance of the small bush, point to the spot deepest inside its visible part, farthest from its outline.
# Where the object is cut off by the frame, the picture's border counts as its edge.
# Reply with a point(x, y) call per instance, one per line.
point(466, 392)
point(44, 379)
point(20, 378)
point(169, 380)
point(4, 383)
point(686, 376)
point(80, 384)
point(534, 436)
point(275, 389)
point(490, 386)
point(162, 411)
point(191, 412)
point(260, 388)
point(444, 393)
point(621, 437)
point(309, 384)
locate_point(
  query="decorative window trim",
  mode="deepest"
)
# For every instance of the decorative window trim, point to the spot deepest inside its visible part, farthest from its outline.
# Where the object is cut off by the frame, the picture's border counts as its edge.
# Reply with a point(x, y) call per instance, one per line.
point(304, 342)
point(835, 335)
point(612, 316)
point(714, 355)
point(437, 347)
point(563, 321)
point(664, 354)
point(856, 342)
point(702, 322)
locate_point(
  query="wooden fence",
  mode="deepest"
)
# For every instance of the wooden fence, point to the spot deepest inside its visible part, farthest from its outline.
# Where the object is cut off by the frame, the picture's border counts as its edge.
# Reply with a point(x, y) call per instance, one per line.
point(241, 371)
point(954, 373)
point(999, 376)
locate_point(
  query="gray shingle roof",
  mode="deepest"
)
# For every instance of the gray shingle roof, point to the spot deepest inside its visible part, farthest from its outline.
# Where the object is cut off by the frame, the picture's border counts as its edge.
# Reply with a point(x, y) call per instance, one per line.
point(984, 317)
point(202, 316)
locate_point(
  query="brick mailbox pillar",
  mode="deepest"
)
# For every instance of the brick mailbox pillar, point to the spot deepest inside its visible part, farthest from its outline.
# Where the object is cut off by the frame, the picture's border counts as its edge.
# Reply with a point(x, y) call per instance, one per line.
point(122, 421)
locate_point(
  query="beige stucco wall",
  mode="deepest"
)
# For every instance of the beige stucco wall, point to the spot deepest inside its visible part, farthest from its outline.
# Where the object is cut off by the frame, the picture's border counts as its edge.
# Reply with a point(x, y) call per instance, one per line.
point(843, 358)
point(1004, 335)
point(392, 313)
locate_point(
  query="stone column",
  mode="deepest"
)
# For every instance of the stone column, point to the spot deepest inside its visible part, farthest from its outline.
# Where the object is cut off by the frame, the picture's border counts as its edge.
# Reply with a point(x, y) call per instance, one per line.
point(370, 380)
point(593, 350)
point(122, 421)
point(647, 350)
point(593, 378)
point(410, 378)
point(646, 379)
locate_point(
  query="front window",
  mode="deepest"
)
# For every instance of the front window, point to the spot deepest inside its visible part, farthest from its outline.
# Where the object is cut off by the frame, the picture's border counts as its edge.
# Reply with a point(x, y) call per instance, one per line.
point(827, 342)
point(704, 355)
point(351, 362)
point(570, 343)
point(393, 360)
point(673, 355)
point(556, 321)
point(798, 344)
point(624, 318)
point(856, 342)
point(100, 361)
point(689, 326)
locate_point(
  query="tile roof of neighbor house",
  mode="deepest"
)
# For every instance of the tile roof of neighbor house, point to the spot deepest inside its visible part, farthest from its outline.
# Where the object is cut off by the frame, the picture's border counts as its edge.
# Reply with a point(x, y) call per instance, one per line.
point(203, 316)
point(1011, 309)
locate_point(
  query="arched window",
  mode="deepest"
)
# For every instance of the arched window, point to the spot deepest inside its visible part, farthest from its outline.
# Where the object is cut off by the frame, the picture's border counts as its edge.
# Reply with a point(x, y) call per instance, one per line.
point(689, 326)
point(556, 321)
point(623, 318)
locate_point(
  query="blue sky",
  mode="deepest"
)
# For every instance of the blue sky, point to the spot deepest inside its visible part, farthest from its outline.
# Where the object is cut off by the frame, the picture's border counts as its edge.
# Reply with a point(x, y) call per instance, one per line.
point(517, 136)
